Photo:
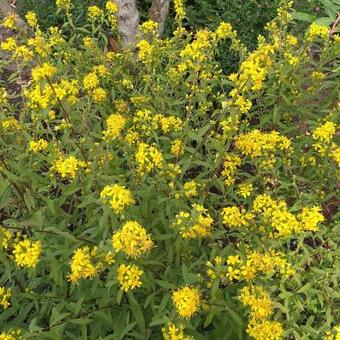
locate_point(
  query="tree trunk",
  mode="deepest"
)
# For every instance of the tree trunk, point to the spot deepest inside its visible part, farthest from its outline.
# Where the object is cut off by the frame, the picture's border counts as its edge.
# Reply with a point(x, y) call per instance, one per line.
point(6, 9)
point(128, 22)
point(158, 13)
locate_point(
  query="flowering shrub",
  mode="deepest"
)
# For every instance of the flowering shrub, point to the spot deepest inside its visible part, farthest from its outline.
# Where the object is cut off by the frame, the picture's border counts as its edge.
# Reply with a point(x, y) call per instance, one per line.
point(148, 194)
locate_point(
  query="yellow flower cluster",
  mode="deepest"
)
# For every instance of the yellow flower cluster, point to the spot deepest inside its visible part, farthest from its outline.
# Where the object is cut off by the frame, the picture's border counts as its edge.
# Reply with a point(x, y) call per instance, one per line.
point(3, 96)
point(229, 167)
point(42, 72)
point(117, 196)
point(256, 143)
point(10, 124)
point(196, 52)
point(129, 276)
point(11, 335)
point(26, 253)
point(145, 122)
point(245, 189)
point(177, 147)
point(256, 263)
point(317, 31)
point(148, 158)
point(67, 167)
point(235, 218)
point(257, 299)
point(149, 26)
point(196, 224)
point(94, 13)
point(31, 19)
point(261, 308)
point(9, 44)
point(115, 124)
point(170, 123)
point(281, 221)
point(90, 81)
point(309, 218)
point(145, 51)
point(64, 4)
point(179, 9)
point(132, 239)
point(38, 145)
point(187, 301)
point(5, 294)
point(334, 334)
point(91, 84)
point(9, 21)
point(82, 264)
point(190, 188)
point(112, 9)
point(265, 329)
point(273, 217)
point(45, 96)
point(5, 237)
point(171, 332)
point(335, 154)
point(323, 136)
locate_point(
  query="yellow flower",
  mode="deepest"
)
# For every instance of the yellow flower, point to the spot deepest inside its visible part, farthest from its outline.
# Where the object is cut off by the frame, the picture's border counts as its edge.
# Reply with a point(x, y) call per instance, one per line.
point(149, 26)
point(318, 75)
point(9, 44)
point(5, 294)
point(98, 95)
point(129, 276)
point(317, 31)
point(94, 13)
point(111, 7)
point(171, 332)
point(229, 167)
point(68, 167)
point(82, 266)
point(335, 154)
point(9, 336)
point(11, 124)
point(256, 143)
point(265, 329)
point(23, 52)
point(117, 196)
point(44, 71)
point(26, 253)
point(115, 124)
point(132, 239)
point(64, 4)
point(187, 301)
point(196, 224)
point(5, 236)
point(190, 189)
point(261, 306)
point(225, 30)
point(9, 21)
point(179, 9)
point(245, 189)
point(39, 145)
point(31, 19)
point(323, 135)
point(145, 50)
point(309, 218)
point(235, 218)
point(171, 123)
point(177, 147)
point(90, 81)
point(148, 158)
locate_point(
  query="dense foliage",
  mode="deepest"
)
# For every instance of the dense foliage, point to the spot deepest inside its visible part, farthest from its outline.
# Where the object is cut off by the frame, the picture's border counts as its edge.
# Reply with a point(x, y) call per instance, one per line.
point(149, 193)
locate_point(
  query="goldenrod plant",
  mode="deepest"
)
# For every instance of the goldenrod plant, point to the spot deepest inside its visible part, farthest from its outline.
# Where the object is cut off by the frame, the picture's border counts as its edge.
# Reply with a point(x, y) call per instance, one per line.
point(148, 194)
